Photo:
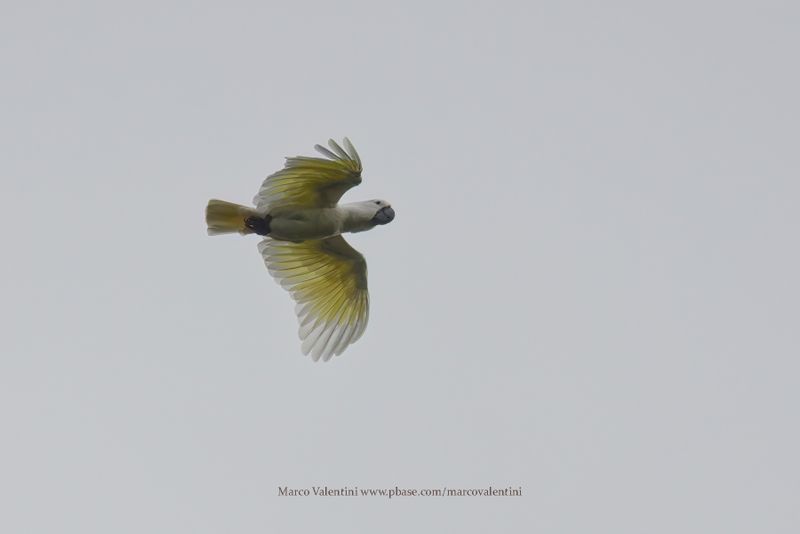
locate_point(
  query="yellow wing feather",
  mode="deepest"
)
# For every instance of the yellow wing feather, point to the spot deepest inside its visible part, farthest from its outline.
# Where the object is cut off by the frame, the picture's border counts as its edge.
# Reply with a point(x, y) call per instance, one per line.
point(328, 280)
point(307, 182)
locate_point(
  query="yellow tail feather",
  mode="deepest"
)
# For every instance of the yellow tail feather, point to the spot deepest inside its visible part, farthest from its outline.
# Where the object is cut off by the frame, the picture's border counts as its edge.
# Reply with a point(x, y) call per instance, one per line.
point(227, 218)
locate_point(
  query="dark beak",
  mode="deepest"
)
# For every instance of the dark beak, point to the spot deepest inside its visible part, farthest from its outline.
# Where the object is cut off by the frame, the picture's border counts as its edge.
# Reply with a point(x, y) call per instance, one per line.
point(384, 216)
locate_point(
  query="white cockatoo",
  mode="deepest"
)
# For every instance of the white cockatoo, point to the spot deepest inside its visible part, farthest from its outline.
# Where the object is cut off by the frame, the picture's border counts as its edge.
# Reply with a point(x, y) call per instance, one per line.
point(297, 211)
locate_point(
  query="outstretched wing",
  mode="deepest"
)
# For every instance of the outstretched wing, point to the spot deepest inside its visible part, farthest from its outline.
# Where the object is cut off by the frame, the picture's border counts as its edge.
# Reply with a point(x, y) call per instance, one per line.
point(328, 280)
point(306, 182)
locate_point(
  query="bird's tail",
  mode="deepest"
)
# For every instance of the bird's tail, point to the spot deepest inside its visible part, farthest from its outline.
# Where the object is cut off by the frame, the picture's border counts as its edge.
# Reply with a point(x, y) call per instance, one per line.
point(227, 218)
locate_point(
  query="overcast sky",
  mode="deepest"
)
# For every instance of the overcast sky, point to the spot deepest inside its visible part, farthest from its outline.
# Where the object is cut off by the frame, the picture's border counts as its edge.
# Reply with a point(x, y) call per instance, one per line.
point(590, 290)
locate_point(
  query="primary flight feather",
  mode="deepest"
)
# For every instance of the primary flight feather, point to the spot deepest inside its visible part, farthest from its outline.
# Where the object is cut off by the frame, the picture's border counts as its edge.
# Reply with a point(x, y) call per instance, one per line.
point(297, 211)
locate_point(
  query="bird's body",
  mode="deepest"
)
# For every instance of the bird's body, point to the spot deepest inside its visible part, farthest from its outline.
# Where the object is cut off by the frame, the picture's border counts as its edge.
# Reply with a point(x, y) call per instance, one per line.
point(321, 223)
point(303, 224)
point(297, 212)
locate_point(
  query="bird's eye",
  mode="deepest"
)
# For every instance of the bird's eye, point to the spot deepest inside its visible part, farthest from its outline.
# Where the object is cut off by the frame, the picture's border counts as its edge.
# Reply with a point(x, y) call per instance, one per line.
point(378, 202)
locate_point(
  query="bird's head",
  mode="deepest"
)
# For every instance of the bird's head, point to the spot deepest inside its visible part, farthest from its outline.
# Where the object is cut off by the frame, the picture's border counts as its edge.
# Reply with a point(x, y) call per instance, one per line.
point(367, 214)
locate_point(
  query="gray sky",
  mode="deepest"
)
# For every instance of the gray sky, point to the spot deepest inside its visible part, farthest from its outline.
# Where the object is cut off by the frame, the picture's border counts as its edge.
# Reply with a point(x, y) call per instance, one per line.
point(590, 289)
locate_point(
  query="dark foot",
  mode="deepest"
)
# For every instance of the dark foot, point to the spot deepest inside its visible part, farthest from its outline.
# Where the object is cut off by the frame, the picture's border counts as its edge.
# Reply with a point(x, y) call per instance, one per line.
point(258, 225)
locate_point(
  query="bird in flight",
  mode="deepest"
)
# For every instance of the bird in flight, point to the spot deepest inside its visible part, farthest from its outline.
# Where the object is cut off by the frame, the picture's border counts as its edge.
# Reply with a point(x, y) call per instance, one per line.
point(297, 211)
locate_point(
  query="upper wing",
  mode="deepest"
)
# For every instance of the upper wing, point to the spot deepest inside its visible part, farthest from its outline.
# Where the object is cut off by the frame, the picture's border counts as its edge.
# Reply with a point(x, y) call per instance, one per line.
point(328, 280)
point(312, 182)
